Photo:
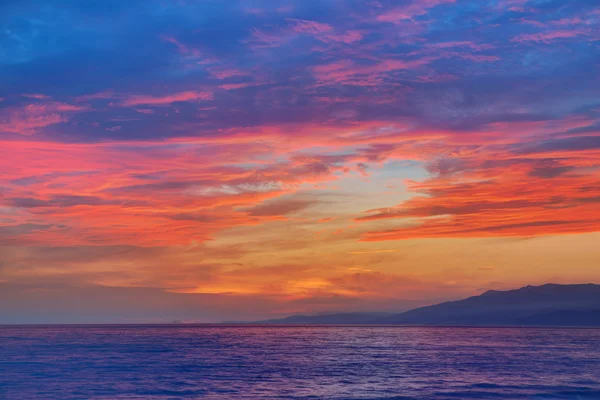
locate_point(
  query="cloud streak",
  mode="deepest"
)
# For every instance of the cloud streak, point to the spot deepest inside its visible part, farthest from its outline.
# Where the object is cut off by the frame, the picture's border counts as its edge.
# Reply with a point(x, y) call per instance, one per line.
point(139, 100)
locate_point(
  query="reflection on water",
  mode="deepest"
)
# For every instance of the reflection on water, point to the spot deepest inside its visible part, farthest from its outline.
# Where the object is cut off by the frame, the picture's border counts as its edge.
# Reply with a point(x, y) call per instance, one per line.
point(257, 362)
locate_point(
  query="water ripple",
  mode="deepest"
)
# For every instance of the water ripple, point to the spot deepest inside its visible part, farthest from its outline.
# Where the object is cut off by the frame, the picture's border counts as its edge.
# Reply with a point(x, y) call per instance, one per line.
point(297, 362)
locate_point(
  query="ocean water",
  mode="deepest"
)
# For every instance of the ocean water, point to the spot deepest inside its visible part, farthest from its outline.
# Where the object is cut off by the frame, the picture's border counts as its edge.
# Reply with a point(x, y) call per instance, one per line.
point(297, 362)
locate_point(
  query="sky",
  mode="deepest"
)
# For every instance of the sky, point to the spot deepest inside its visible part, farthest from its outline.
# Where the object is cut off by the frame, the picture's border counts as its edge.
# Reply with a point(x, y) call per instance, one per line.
point(229, 160)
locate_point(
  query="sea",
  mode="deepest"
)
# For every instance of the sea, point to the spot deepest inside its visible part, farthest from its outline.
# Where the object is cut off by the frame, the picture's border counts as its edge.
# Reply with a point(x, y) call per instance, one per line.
point(297, 362)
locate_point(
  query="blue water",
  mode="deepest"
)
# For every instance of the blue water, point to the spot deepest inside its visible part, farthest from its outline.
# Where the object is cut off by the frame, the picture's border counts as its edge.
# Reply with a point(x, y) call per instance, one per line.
point(257, 362)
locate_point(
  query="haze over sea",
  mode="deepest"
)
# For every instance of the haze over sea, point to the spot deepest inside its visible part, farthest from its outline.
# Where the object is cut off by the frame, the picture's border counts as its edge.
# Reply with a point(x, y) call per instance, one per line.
point(297, 362)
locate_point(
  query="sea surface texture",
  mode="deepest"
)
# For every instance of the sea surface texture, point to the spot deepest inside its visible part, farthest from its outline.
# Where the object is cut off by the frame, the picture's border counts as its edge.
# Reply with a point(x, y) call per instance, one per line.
point(298, 362)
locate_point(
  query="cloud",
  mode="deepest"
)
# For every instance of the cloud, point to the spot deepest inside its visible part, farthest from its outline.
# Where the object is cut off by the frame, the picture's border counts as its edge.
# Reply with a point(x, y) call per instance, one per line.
point(505, 204)
point(63, 201)
point(412, 9)
point(379, 284)
point(374, 251)
point(346, 72)
point(551, 170)
point(21, 229)
point(249, 150)
point(31, 118)
point(36, 96)
point(311, 27)
point(280, 207)
point(547, 37)
point(182, 48)
point(139, 100)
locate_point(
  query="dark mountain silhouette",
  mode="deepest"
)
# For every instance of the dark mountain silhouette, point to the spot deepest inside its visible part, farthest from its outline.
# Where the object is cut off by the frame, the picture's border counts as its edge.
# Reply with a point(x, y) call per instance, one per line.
point(532, 305)
point(546, 305)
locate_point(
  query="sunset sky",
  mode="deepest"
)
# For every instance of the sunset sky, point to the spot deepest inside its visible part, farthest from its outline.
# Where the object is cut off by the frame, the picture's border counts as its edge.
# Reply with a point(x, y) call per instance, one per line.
point(243, 159)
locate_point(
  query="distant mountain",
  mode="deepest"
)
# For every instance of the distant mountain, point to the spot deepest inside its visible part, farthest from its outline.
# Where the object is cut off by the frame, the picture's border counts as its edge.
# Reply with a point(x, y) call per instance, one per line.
point(550, 304)
point(546, 305)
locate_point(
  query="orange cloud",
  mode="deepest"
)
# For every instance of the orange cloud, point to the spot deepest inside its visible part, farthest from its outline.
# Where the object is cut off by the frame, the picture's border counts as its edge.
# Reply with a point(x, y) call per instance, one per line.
point(487, 196)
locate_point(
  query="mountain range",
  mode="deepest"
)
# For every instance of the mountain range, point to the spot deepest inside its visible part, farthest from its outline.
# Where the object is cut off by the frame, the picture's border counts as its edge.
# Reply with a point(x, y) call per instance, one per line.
point(545, 305)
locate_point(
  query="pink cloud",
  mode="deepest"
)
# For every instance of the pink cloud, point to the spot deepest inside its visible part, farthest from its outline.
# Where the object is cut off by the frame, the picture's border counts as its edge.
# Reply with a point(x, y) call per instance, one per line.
point(546, 37)
point(512, 5)
point(182, 48)
point(451, 49)
point(409, 11)
point(324, 69)
point(437, 78)
point(350, 73)
point(108, 94)
point(234, 86)
point(468, 44)
point(311, 27)
point(36, 96)
point(262, 39)
point(324, 32)
point(144, 111)
point(224, 73)
point(479, 57)
point(569, 21)
point(348, 37)
point(167, 99)
point(29, 119)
